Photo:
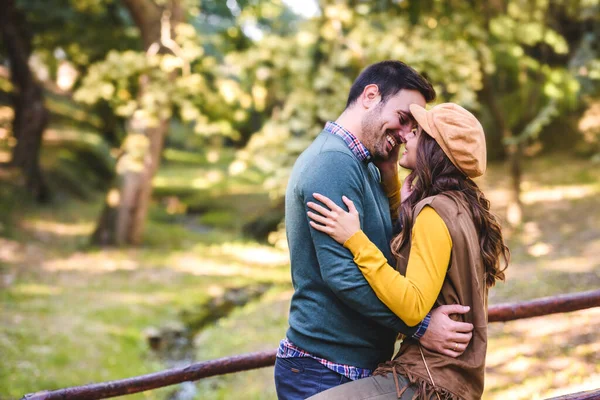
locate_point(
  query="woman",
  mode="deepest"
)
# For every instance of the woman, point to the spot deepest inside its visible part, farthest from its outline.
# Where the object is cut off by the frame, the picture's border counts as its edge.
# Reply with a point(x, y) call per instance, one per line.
point(448, 252)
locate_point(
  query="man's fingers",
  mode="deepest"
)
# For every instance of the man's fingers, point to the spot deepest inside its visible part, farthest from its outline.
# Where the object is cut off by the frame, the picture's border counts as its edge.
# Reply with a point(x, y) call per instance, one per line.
point(453, 354)
point(462, 338)
point(449, 353)
point(459, 327)
point(409, 179)
point(454, 309)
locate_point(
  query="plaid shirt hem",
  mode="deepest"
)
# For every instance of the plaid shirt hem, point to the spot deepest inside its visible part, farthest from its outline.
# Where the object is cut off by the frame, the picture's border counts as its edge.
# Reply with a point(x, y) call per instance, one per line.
point(288, 350)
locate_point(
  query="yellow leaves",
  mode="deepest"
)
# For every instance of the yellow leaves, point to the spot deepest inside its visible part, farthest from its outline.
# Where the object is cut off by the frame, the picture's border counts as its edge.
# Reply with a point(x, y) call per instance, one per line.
point(339, 12)
point(556, 41)
point(263, 73)
point(183, 30)
point(363, 9)
point(560, 84)
point(516, 51)
point(503, 27)
point(189, 42)
point(245, 100)
point(259, 94)
point(306, 38)
point(188, 111)
point(530, 33)
point(126, 109)
point(237, 167)
point(233, 32)
point(239, 116)
point(135, 147)
point(113, 198)
point(170, 63)
point(106, 91)
point(330, 30)
point(229, 89)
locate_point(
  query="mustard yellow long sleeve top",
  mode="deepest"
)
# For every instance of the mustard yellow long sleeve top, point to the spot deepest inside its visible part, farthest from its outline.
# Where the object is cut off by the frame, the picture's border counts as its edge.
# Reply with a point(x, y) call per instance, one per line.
point(412, 296)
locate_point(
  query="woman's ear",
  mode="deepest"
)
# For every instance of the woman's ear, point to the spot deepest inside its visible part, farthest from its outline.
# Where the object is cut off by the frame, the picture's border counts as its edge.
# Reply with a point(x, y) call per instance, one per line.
point(370, 96)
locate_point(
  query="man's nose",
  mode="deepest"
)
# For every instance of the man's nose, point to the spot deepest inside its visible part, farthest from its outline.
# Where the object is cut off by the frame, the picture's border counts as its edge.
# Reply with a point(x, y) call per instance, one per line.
point(402, 136)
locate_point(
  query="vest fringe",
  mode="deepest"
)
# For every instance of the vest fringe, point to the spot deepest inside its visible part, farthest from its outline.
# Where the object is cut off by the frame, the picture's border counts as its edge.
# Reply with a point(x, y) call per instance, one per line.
point(424, 390)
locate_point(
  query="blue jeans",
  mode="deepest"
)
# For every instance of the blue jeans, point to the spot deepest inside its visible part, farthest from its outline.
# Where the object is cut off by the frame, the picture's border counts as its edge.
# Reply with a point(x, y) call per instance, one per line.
point(301, 377)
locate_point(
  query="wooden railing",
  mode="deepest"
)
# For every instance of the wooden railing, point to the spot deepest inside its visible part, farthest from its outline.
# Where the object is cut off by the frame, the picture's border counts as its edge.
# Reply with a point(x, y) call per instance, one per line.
point(227, 365)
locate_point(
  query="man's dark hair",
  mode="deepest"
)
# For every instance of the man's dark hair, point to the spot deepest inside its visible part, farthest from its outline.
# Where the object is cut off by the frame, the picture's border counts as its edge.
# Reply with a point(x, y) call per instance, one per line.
point(390, 77)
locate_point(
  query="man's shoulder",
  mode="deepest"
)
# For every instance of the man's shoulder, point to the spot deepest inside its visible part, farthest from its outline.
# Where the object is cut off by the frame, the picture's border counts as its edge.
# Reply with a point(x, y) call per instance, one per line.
point(327, 142)
point(329, 151)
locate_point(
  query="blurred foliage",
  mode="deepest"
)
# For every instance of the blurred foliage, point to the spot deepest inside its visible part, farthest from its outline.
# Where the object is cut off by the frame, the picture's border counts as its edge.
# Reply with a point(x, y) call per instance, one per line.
point(253, 75)
point(254, 84)
point(80, 31)
point(541, 56)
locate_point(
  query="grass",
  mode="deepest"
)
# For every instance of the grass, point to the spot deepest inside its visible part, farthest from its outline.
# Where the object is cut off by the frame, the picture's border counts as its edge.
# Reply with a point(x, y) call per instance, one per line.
point(71, 314)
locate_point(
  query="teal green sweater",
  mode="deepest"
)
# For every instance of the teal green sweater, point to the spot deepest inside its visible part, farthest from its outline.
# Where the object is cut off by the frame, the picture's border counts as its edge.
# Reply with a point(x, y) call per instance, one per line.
point(334, 313)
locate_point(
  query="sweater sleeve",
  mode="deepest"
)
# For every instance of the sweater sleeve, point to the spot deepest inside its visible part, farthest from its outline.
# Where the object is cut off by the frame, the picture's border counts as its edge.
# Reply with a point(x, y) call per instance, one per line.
point(412, 296)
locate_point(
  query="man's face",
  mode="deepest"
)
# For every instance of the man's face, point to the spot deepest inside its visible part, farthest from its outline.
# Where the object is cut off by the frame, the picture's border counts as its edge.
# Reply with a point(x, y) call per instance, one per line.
point(384, 126)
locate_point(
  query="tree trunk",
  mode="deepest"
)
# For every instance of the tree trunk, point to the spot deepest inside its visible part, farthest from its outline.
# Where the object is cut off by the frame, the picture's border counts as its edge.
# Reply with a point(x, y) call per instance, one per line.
point(123, 218)
point(31, 116)
point(514, 209)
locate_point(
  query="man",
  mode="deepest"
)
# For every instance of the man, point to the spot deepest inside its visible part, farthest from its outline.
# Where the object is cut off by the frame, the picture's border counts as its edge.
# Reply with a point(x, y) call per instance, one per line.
point(339, 330)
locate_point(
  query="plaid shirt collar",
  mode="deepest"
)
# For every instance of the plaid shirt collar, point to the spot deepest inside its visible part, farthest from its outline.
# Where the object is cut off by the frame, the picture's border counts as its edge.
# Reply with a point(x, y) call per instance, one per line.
point(357, 148)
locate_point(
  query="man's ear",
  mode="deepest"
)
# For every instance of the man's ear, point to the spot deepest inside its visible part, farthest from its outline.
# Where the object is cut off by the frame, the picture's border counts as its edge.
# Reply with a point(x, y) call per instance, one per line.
point(370, 96)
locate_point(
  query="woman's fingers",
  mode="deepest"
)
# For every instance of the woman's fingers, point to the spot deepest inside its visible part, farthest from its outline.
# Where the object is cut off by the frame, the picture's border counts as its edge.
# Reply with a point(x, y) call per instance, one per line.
point(327, 201)
point(320, 209)
point(318, 218)
point(350, 204)
point(320, 228)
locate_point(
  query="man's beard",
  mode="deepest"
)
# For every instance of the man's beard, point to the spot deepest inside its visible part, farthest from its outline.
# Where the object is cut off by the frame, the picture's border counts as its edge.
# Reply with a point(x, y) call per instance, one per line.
point(372, 138)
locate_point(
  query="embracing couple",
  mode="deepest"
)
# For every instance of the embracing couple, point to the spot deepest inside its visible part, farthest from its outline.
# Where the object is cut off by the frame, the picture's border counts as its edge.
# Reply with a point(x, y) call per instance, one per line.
point(374, 261)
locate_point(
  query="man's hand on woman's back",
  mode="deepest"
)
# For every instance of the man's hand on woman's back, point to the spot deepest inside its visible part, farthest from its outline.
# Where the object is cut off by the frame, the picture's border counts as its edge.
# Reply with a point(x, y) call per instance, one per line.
point(446, 336)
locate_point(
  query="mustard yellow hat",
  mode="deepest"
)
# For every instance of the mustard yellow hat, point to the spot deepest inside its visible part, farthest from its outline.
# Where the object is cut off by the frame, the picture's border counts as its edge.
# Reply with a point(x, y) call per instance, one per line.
point(459, 134)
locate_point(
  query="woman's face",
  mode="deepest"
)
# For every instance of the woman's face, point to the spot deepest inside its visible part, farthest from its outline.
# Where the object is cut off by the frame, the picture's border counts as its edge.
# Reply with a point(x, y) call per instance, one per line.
point(409, 156)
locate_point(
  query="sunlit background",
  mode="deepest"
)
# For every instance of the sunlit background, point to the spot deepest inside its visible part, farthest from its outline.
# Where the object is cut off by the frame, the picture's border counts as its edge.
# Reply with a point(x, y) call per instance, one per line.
point(145, 146)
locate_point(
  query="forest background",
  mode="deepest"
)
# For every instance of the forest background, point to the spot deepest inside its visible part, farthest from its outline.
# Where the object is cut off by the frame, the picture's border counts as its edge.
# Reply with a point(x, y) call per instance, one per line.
point(145, 146)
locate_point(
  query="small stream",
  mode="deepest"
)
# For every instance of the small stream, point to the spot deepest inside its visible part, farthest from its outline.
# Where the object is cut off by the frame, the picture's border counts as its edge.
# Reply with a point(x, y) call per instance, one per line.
point(173, 344)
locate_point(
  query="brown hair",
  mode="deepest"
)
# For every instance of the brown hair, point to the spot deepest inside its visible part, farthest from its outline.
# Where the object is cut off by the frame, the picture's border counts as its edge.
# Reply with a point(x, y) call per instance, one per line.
point(390, 76)
point(435, 174)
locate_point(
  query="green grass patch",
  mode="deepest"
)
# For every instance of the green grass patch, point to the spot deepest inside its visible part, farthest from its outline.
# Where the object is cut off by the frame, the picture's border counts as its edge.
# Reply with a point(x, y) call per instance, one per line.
point(71, 314)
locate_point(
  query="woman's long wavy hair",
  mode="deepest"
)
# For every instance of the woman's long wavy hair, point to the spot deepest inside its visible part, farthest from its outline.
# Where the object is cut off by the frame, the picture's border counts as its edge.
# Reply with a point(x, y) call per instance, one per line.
point(435, 174)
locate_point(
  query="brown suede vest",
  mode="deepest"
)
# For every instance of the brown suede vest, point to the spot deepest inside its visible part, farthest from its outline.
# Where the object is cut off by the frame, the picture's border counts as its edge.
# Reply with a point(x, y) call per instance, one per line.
point(462, 377)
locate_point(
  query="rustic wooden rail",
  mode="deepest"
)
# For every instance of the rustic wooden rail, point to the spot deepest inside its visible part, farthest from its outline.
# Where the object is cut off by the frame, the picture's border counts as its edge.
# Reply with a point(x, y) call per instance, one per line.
point(221, 366)
point(589, 395)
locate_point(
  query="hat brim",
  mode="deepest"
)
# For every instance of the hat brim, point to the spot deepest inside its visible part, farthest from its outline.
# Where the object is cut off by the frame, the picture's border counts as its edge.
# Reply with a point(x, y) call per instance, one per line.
point(420, 115)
